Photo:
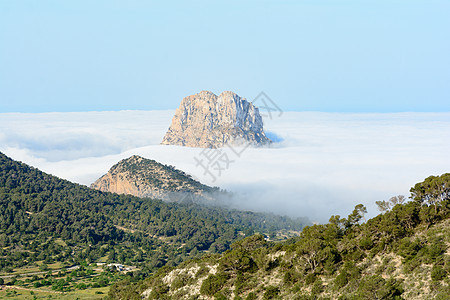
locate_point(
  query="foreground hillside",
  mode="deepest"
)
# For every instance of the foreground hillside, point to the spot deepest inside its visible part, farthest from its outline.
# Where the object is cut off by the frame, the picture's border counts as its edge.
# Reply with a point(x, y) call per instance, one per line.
point(401, 254)
point(47, 223)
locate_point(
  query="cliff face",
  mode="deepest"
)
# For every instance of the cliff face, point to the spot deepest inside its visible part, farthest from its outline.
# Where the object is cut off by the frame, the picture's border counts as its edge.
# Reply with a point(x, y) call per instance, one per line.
point(147, 178)
point(209, 121)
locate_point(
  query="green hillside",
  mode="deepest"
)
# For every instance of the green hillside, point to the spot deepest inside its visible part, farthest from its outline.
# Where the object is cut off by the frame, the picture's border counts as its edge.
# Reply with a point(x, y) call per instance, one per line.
point(47, 223)
point(400, 254)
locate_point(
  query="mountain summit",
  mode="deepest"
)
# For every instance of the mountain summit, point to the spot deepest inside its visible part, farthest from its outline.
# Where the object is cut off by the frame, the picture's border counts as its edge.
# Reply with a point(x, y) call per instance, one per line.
point(209, 121)
point(147, 178)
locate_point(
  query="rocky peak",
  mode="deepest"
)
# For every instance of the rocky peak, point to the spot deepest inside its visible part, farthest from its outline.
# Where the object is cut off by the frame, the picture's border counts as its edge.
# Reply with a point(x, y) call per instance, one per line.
point(210, 121)
point(143, 177)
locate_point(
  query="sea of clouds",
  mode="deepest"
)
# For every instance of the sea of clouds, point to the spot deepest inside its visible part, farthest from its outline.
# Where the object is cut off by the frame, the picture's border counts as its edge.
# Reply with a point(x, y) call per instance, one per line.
point(322, 164)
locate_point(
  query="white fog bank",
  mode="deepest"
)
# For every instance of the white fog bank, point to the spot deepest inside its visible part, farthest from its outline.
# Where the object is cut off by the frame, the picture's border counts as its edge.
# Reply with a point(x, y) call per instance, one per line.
point(322, 164)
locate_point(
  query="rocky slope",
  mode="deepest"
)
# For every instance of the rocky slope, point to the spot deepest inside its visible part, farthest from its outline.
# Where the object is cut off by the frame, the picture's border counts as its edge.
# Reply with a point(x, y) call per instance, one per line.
point(143, 177)
point(209, 121)
point(403, 253)
point(379, 259)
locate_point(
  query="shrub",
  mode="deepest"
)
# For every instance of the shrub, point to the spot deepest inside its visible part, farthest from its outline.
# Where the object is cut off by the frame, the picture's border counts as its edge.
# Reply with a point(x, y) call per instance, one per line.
point(271, 292)
point(317, 287)
point(81, 286)
point(408, 249)
point(366, 242)
point(251, 296)
point(237, 260)
point(341, 280)
point(180, 281)
point(159, 291)
point(43, 267)
point(202, 272)
point(435, 250)
point(310, 278)
point(437, 273)
point(442, 296)
point(219, 296)
point(291, 277)
point(213, 284)
point(375, 287)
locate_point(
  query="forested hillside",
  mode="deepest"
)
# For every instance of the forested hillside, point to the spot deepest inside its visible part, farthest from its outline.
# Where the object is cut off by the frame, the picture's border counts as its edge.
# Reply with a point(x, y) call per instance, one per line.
point(44, 219)
point(402, 253)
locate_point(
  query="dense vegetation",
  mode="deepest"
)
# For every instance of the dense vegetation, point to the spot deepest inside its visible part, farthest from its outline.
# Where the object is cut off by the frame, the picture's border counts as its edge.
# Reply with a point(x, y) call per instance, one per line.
point(402, 253)
point(45, 220)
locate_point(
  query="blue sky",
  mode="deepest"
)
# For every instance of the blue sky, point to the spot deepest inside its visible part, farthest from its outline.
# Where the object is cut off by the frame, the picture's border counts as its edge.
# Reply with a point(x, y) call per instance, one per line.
point(333, 56)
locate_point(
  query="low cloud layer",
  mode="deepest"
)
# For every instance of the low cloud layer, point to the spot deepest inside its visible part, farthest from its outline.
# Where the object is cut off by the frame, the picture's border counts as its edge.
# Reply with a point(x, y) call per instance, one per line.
point(322, 163)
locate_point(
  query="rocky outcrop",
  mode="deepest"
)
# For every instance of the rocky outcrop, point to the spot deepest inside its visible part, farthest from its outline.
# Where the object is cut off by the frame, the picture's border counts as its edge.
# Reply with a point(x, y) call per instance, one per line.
point(209, 121)
point(143, 177)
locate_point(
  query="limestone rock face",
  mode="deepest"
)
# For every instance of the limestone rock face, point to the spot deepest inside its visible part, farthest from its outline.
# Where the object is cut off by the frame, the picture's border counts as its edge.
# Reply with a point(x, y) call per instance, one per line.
point(143, 177)
point(209, 121)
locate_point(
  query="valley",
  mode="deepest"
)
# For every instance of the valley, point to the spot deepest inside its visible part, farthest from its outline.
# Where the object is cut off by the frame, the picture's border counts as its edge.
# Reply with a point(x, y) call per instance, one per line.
point(54, 233)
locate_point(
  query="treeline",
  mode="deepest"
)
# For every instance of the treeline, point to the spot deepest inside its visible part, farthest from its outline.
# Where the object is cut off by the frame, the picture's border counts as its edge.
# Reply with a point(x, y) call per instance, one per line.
point(47, 219)
point(400, 254)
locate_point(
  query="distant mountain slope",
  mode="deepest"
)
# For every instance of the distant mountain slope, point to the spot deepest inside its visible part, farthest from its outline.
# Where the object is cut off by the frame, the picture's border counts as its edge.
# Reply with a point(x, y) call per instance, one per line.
point(401, 254)
point(143, 177)
point(47, 219)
